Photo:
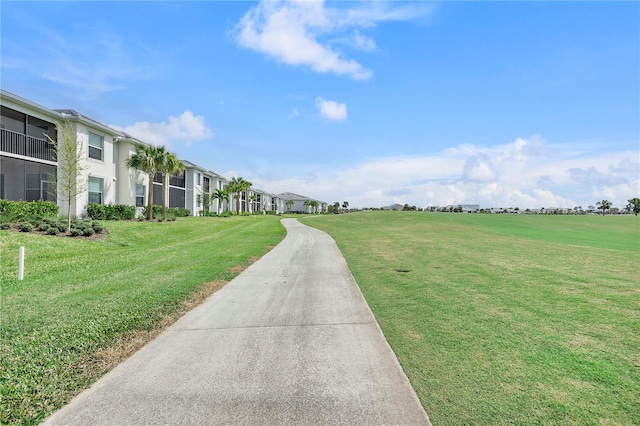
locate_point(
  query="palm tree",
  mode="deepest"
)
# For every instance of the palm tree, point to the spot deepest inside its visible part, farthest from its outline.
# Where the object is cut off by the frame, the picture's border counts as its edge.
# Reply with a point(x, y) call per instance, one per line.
point(307, 204)
point(220, 195)
point(289, 203)
point(603, 205)
point(345, 204)
point(315, 205)
point(236, 186)
point(244, 188)
point(146, 158)
point(169, 166)
point(252, 198)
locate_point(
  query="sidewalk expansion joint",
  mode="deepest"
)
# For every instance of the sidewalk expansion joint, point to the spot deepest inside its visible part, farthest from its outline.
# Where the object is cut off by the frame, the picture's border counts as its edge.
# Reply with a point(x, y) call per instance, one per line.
point(274, 326)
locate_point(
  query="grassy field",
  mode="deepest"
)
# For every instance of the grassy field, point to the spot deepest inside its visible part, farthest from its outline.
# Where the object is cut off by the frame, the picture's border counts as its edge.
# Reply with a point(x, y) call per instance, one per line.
point(505, 319)
point(86, 305)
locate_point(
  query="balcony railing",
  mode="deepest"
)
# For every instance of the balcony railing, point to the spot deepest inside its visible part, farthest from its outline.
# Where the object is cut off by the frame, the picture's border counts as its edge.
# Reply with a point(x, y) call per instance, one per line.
point(21, 144)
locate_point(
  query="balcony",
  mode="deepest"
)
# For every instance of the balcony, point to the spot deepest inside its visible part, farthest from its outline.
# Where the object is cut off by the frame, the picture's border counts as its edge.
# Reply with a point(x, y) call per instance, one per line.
point(21, 144)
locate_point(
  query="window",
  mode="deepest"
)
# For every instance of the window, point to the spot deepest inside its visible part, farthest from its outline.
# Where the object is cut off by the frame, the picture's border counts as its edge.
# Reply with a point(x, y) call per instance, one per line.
point(157, 194)
point(140, 195)
point(95, 146)
point(12, 120)
point(177, 180)
point(95, 190)
point(26, 180)
point(40, 129)
point(206, 184)
point(177, 197)
point(198, 178)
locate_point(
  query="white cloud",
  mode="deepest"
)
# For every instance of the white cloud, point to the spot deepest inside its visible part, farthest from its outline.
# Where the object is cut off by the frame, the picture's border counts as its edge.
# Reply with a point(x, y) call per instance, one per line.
point(362, 42)
point(331, 110)
point(294, 113)
point(508, 175)
point(186, 128)
point(292, 32)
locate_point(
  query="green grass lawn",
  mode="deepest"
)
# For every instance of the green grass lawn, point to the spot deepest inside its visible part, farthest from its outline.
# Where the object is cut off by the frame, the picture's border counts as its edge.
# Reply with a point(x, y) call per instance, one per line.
point(84, 302)
point(505, 319)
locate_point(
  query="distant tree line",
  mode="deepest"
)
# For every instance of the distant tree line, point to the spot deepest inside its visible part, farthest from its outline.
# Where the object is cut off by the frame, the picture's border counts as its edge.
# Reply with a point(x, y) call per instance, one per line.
point(601, 207)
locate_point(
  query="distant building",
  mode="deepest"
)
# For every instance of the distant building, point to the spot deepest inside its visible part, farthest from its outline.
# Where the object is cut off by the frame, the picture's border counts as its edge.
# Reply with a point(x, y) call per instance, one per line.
point(394, 207)
point(299, 203)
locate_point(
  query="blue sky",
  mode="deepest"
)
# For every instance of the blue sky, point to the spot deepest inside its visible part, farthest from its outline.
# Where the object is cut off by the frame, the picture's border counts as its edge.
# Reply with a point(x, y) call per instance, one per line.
point(502, 104)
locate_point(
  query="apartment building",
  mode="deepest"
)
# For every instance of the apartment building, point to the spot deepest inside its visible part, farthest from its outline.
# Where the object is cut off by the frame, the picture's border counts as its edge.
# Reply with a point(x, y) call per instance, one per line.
point(297, 203)
point(28, 163)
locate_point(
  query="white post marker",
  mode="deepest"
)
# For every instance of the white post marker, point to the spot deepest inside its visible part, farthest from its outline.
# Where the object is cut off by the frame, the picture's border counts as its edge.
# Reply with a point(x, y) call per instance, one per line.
point(21, 264)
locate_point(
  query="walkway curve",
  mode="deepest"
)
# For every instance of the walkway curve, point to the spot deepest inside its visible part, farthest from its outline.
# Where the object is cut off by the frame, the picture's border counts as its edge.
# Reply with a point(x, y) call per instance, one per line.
point(291, 340)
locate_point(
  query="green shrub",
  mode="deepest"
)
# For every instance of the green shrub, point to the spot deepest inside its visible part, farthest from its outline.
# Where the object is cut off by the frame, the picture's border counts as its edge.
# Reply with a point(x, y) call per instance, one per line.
point(43, 227)
point(125, 212)
point(80, 226)
point(110, 212)
point(75, 232)
point(171, 212)
point(88, 232)
point(5, 226)
point(180, 212)
point(53, 231)
point(18, 211)
point(25, 227)
point(61, 226)
point(96, 211)
point(157, 212)
point(97, 227)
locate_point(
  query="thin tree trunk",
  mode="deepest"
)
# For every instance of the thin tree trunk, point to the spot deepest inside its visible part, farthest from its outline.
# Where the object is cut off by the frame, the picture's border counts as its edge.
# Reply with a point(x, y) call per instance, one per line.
point(164, 196)
point(69, 215)
point(150, 200)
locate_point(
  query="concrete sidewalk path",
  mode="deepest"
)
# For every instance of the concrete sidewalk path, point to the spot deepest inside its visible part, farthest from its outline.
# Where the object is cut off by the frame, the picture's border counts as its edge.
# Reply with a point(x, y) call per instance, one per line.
point(291, 340)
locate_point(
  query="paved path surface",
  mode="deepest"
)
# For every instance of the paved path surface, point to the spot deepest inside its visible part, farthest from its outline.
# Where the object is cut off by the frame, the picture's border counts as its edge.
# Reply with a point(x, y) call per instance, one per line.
point(291, 340)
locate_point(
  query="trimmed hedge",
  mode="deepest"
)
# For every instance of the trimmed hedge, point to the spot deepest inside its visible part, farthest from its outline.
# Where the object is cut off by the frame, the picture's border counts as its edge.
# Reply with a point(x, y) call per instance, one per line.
point(172, 212)
point(180, 212)
point(111, 212)
point(18, 211)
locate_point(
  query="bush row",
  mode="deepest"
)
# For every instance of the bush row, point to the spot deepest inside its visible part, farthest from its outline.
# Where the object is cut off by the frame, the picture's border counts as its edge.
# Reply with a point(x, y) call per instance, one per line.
point(172, 212)
point(111, 212)
point(17, 211)
point(79, 228)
